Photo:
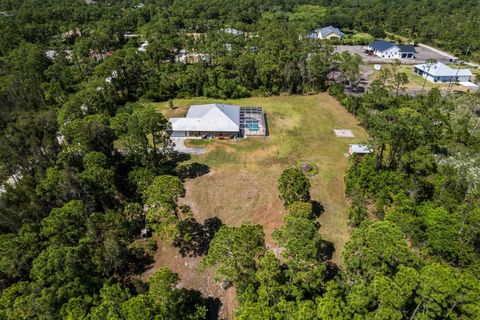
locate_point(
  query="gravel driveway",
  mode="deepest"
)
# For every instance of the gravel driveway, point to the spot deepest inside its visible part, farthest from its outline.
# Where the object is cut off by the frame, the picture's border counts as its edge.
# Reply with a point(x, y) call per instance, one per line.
point(179, 145)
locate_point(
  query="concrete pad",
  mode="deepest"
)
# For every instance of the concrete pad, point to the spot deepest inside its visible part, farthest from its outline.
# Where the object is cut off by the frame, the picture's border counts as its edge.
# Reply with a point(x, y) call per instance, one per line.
point(179, 145)
point(342, 133)
point(469, 84)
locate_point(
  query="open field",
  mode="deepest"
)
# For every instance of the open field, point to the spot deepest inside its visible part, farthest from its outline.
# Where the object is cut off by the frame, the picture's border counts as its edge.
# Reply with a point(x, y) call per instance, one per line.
point(242, 184)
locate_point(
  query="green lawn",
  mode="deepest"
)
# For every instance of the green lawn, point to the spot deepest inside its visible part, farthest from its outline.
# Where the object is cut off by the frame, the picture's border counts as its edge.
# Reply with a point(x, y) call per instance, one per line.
point(242, 185)
point(198, 142)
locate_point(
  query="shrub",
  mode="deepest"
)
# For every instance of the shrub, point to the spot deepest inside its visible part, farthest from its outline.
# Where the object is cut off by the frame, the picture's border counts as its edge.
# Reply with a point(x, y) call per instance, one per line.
point(357, 215)
point(377, 32)
point(150, 246)
point(293, 186)
point(337, 90)
point(362, 38)
point(301, 209)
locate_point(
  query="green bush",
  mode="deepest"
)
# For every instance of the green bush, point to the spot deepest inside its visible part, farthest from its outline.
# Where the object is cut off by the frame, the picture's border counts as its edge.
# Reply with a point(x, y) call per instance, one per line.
point(150, 246)
point(362, 38)
point(357, 215)
point(301, 209)
point(377, 32)
point(293, 186)
point(337, 90)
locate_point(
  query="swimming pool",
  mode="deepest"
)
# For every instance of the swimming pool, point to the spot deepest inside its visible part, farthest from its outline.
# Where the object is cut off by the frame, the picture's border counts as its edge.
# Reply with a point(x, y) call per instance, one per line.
point(252, 125)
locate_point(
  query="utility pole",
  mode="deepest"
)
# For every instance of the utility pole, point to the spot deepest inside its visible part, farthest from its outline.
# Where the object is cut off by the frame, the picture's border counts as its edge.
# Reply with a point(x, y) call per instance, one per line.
point(452, 83)
point(430, 63)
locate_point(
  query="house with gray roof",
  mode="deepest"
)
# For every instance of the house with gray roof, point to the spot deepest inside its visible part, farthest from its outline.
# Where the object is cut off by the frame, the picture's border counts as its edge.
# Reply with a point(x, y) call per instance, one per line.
point(219, 120)
point(326, 33)
point(440, 72)
point(389, 50)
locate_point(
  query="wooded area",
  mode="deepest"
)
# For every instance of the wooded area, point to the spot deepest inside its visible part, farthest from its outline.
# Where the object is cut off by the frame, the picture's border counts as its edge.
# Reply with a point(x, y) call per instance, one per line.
point(86, 165)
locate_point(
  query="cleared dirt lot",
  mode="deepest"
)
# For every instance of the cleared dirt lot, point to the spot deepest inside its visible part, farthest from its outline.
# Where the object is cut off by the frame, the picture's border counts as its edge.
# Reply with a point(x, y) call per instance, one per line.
point(423, 54)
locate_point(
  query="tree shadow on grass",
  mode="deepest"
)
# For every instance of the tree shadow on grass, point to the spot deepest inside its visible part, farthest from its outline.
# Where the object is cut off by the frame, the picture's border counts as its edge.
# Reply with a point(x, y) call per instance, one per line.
point(332, 271)
point(194, 238)
point(213, 308)
point(192, 170)
point(327, 250)
point(317, 208)
point(139, 261)
point(326, 255)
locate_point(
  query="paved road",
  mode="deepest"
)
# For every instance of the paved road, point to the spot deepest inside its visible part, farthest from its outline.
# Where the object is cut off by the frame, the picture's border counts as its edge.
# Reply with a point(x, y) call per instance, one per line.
point(180, 146)
point(448, 55)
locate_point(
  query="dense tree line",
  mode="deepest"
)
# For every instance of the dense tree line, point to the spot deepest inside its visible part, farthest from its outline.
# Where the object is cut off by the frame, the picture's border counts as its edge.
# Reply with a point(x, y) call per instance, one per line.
point(433, 22)
point(424, 171)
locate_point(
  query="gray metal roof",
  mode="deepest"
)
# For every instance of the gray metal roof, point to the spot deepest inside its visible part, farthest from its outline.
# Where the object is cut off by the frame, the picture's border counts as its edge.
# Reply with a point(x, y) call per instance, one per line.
point(329, 30)
point(381, 45)
point(325, 32)
point(209, 117)
point(440, 70)
point(407, 48)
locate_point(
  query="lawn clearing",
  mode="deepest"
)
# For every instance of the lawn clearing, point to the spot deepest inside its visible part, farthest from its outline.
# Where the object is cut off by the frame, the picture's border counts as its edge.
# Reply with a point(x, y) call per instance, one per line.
point(242, 184)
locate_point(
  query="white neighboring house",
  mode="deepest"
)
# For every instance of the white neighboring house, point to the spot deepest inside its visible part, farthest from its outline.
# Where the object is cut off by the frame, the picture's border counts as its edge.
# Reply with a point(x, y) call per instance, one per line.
point(359, 149)
point(12, 181)
point(326, 33)
point(439, 72)
point(113, 76)
point(389, 50)
point(72, 33)
point(233, 31)
point(130, 35)
point(143, 46)
point(184, 56)
point(50, 54)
